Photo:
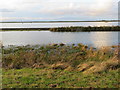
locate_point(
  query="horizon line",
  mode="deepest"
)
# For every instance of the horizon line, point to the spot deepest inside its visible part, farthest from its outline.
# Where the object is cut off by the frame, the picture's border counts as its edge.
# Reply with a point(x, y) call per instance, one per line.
point(59, 21)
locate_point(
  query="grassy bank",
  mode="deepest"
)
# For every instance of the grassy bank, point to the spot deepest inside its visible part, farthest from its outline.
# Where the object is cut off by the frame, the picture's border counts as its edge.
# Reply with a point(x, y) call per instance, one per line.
point(60, 65)
point(67, 29)
point(48, 78)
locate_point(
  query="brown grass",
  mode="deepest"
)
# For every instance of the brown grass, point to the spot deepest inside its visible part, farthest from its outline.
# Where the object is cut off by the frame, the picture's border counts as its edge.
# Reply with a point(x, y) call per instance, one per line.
point(63, 57)
point(103, 66)
point(61, 66)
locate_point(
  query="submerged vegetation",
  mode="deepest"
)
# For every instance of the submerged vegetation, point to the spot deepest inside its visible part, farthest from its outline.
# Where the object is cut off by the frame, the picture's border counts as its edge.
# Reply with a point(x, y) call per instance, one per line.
point(60, 66)
point(67, 29)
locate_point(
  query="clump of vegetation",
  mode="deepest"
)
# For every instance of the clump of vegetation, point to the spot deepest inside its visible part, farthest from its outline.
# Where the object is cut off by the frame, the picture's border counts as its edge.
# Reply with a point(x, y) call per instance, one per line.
point(87, 29)
point(60, 66)
point(54, 55)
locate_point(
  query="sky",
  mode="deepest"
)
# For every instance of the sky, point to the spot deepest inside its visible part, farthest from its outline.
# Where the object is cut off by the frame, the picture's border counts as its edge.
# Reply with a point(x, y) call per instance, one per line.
point(54, 10)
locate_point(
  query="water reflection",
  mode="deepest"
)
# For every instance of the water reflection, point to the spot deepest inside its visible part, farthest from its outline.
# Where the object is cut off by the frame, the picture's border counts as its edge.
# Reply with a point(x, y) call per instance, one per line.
point(103, 24)
point(104, 38)
point(95, 39)
point(1, 40)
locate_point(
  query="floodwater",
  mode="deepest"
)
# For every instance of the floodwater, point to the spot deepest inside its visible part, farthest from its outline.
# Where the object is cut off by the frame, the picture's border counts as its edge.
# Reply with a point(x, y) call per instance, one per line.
point(96, 39)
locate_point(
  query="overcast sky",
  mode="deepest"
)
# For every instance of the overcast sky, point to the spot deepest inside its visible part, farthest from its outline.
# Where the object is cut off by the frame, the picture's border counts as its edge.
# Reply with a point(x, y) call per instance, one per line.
point(58, 9)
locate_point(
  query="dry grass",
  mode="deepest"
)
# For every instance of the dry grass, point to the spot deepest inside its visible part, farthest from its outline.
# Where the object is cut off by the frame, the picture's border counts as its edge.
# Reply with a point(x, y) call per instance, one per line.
point(61, 56)
point(85, 66)
point(103, 66)
point(61, 66)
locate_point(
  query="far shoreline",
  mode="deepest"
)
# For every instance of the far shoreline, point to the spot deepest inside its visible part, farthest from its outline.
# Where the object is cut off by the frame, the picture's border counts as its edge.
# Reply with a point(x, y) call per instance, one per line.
point(67, 29)
point(59, 21)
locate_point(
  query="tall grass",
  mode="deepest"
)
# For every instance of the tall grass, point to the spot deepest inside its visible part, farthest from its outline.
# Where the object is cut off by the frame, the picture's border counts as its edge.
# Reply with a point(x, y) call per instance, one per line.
point(55, 56)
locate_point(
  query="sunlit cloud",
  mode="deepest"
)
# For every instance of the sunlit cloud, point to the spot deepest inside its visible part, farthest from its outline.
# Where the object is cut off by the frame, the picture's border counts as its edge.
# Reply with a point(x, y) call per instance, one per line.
point(59, 9)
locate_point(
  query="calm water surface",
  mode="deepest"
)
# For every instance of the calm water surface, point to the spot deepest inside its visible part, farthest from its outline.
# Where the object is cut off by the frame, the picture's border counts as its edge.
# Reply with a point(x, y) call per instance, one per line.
point(96, 39)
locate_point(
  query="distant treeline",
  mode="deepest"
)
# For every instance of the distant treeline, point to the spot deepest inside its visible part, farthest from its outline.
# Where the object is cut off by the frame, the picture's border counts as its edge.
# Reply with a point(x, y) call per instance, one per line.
point(89, 28)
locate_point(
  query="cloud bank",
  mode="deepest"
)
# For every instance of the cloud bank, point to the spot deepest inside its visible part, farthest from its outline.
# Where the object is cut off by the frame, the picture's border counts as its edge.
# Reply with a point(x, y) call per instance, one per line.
point(58, 9)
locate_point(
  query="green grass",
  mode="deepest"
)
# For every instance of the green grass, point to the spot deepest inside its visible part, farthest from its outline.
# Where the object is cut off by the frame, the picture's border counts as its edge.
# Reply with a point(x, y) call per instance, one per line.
point(60, 66)
point(46, 78)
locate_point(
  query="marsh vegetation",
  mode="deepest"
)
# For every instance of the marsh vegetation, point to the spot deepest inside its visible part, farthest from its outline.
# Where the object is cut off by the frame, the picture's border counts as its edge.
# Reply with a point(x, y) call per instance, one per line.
point(60, 65)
